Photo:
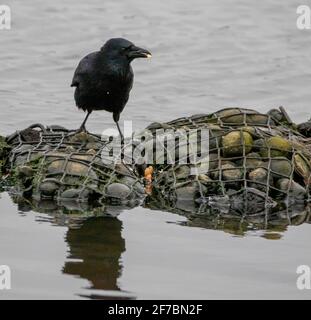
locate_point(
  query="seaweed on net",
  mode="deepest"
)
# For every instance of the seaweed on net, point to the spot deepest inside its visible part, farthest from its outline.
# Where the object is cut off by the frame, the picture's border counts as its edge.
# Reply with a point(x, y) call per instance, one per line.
point(60, 164)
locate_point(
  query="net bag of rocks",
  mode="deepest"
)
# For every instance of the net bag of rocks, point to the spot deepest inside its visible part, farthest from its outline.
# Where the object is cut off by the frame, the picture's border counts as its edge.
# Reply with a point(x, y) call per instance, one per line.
point(54, 163)
point(254, 162)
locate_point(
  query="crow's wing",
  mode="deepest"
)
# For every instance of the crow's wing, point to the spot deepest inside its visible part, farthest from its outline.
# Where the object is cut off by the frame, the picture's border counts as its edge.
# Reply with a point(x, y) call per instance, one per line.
point(85, 69)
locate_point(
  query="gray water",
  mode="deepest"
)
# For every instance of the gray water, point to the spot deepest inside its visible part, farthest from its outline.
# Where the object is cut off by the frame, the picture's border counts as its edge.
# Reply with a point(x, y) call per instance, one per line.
point(206, 55)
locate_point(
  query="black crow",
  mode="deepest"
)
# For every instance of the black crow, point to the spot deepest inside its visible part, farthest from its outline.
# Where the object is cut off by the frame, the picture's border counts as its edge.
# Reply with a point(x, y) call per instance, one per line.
point(104, 79)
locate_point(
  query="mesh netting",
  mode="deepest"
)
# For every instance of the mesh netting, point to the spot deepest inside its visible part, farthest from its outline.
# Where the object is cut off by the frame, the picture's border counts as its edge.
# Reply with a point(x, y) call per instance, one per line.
point(58, 164)
point(255, 162)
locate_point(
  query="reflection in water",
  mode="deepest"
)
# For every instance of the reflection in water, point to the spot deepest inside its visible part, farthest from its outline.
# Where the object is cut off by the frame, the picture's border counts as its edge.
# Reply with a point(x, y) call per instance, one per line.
point(94, 240)
point(272, 224)
point(95, 251)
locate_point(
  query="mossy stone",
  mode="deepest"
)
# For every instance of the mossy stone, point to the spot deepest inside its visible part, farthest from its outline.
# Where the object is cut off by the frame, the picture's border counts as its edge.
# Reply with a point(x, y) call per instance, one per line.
point(234, 142)
point(279, 147)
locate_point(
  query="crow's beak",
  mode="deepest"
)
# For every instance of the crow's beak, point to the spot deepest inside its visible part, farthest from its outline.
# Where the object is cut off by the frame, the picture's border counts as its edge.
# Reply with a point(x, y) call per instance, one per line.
point(137, 52)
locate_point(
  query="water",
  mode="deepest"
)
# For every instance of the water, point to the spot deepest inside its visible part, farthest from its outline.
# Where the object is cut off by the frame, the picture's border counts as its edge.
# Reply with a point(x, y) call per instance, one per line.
point(206, 55)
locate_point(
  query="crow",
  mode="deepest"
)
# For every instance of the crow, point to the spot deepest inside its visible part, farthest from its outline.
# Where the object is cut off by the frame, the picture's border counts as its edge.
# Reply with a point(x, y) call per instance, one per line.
point(104, 79)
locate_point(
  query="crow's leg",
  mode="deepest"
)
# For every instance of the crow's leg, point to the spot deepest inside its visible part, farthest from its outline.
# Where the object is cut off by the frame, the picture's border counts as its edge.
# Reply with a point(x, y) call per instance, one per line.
point(122, 150)
point(82, 127)
point(121, 134)
point(116, 117)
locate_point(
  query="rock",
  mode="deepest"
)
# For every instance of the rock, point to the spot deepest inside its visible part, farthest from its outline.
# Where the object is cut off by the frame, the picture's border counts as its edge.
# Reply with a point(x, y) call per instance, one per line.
point(25, 171)
point(279, 147)
point(206, 164)
point(252, 160)
point(259, 144)
point(182, 172)
point(276, 114)
point(118, 191)
point(75, 194)
point(249, 119)
point(213, 161)
point(121, 168)
point(229, 172)
point(305, 129)
point(259, 174)
point(93, 145)
point(204, 178)
point(91, 151)
point(250, 130)
point(71, 168)
point(302, 167)
point(234, 142)
point(259, 178)
point(82, 137)
point(133, 183)
point(281, 166)
point(70, 149)
point(48, 188)
point(293, 188)
point(187, 192)
point(84, 157)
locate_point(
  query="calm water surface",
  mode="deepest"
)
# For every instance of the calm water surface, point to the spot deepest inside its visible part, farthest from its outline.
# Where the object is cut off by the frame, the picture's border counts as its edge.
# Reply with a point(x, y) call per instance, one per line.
point(207, 55)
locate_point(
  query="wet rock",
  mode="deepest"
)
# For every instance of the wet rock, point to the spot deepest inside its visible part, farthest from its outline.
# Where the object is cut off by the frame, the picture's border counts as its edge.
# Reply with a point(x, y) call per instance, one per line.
point(204, 178)
point(91, 151)
point(82, 137)
point(186, 193)
point(133, 183)
point(48, 188)
point(252, 160)
point(279, 147)
point(93, 145)
point(260, 179)
point(229, 172)
point(71, 168)
point(281, 166)
point(302, 167)
point(293, 188)
point(182, 172)
point(234, 142)
point(118, 191)
point(75, 194)
point(70, 149)
point(25, 171)
point(305, 129)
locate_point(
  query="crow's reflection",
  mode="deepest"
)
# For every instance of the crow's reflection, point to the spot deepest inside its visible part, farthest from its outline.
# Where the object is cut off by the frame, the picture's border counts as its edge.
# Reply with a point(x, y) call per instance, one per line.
point(93, 237)
point(97, 247)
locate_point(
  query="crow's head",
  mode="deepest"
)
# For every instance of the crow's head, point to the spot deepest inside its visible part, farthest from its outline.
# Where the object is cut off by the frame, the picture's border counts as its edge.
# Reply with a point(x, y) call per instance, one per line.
point(119, 48)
